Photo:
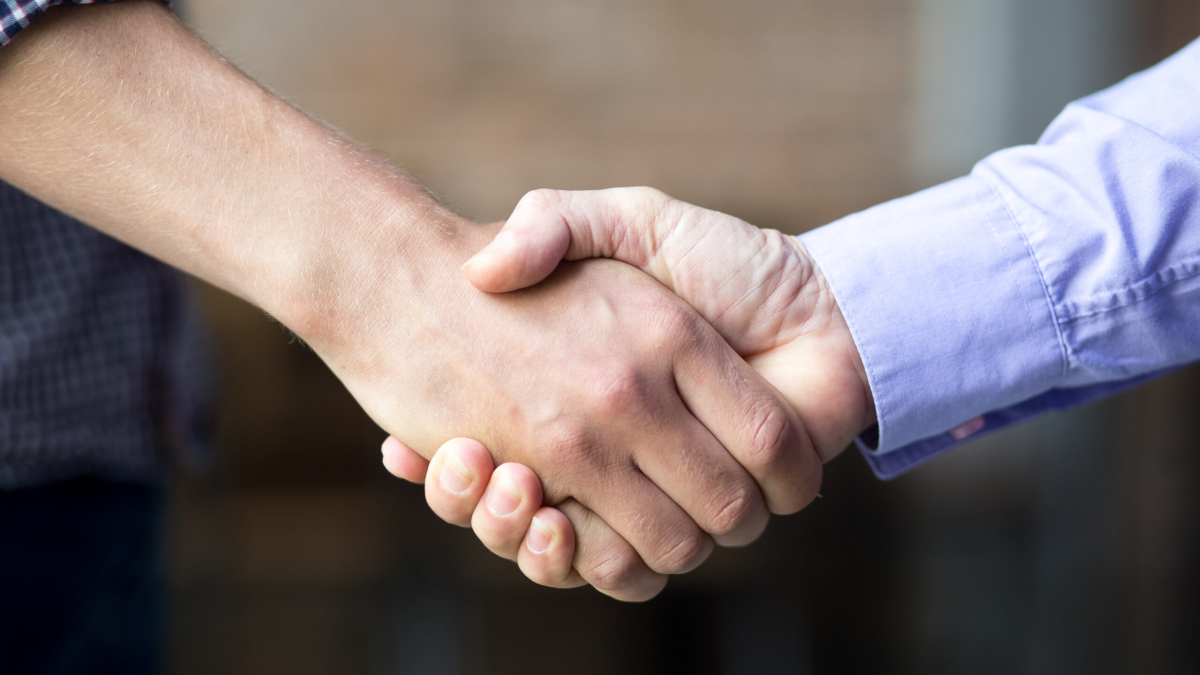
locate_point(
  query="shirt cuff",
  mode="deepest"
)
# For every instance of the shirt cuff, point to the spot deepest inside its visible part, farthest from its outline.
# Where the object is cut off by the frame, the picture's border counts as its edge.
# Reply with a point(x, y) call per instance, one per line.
point(892, 464)
point(947, 307)
point(15, 15)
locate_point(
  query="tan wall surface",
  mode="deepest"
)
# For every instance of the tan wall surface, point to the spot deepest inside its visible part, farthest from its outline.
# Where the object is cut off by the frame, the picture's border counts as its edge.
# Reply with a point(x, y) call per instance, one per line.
point(296, 553)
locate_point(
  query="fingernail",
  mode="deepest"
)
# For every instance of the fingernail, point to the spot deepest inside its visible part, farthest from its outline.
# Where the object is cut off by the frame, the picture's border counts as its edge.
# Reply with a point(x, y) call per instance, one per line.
point(503, 498)
point(456, 477)
point(468, 263)
point(540, 536)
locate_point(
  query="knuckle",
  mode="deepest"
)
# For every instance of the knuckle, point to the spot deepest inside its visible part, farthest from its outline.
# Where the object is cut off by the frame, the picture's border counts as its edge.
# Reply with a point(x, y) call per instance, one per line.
point(735, 510)
point(643, 210)
point(772, 431)
point(645, 198)
point(614, 571)
point(643, 204)
point(568, 439)
point(682, 556)
point(543, 199)
point(620, 390)
point(670, 325)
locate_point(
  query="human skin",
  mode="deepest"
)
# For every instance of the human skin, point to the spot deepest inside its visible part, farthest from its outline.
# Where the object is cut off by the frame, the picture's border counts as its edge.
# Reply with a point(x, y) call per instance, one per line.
point(758, 288)
point(643, 425)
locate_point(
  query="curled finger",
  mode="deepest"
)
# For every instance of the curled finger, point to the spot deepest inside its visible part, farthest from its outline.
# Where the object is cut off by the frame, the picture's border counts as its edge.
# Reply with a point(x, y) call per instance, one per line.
point(458, 475)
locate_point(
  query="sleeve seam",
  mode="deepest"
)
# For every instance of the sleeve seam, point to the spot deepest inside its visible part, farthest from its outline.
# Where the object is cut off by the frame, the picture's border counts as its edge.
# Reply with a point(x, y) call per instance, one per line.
point(1063, 351)
point(1137, 291)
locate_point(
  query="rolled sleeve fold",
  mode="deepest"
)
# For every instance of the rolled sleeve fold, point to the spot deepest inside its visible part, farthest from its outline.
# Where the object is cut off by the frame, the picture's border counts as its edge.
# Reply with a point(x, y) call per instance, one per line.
point(952, 319)
point(1053, 275)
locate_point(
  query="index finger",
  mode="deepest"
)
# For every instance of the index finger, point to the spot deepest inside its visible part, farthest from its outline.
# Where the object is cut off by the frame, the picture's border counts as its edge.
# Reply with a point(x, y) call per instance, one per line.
point(751, 419)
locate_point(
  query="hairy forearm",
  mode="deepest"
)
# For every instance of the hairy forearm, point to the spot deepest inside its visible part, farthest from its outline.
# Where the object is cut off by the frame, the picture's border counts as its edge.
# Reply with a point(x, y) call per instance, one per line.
point(121, 117)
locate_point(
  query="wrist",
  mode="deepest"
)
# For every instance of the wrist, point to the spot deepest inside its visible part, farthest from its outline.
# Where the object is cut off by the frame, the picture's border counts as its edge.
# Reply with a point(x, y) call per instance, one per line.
point(226, 181)
point(819, 369)
point(840, 332)
point(376, 244)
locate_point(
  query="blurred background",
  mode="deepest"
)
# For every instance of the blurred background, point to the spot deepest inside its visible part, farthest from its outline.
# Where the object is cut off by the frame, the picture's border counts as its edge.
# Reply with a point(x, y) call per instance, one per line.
point(1067, 545)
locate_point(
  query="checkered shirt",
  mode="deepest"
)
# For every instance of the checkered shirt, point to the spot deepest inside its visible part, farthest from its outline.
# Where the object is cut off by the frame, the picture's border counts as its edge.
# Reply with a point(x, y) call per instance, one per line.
point(102, 362)
point(103, 368)
point(16, 14)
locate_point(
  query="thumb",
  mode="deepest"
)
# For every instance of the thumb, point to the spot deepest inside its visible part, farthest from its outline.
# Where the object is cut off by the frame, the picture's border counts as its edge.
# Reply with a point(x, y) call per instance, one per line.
point(553, 225)
point(527, 248)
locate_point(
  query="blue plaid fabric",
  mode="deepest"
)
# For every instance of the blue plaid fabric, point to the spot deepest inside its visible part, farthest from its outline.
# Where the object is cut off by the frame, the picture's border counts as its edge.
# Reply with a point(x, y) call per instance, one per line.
point(16, 14)
point(102, 363)
point(103, 368)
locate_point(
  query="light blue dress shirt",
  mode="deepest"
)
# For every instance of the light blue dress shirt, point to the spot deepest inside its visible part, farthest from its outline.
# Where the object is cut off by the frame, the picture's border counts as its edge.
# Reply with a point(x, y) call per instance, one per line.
point(1053, 275)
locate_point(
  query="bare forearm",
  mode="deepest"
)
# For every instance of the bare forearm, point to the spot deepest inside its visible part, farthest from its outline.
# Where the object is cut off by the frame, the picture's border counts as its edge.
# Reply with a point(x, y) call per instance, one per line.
point(121, 117)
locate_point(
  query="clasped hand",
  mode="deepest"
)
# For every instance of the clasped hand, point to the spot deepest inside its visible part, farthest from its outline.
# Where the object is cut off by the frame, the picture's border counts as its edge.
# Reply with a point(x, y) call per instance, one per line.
point(656, 462)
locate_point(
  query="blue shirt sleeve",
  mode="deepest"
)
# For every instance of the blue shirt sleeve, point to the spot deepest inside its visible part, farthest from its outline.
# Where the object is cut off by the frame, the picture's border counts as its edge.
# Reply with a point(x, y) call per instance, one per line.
point(1054, 274)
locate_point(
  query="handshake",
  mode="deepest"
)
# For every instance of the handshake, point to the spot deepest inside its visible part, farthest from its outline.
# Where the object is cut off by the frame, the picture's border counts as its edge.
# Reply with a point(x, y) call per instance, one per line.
point(610, 420)
point(599, 421)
